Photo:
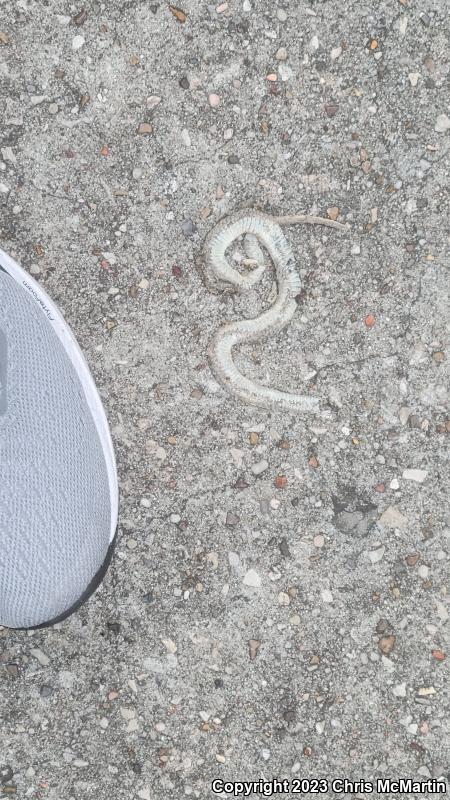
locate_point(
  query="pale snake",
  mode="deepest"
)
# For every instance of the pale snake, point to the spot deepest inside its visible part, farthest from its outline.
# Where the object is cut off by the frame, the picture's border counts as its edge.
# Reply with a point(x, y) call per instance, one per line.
point(258, 229)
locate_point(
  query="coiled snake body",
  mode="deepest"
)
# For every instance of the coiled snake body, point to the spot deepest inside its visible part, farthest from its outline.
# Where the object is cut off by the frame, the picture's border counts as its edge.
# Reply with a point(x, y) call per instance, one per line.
point(258, 229)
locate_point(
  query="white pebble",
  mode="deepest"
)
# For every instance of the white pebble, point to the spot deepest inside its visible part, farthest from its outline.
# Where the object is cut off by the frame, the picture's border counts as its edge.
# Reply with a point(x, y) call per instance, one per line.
point(77, 42)
point(214, 100)
point(260, 467)
point(153, 101)
point(285, 72)
point(413, 78)
point(335, 53)
point(40, 656)
point(400, 690)
point(376, 555)
point(145, 502)
point(251, 578)
point(320, 727)
point(327, 597)
point(281, 14)
point(394, 484)
point(417, 475)
point(185, 138)
point(442, 123)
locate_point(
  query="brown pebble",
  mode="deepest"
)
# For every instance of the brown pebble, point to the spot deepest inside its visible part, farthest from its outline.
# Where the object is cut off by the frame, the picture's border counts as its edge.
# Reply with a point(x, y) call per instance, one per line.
point(412, 559)
point(313, 462)
point(331, 109)
point(386, 644)
point(333, 212)
point(281, 481)
point(253, 646)
point(80, 18)
point(145, 129)
point(438, 356)
point(253, 438)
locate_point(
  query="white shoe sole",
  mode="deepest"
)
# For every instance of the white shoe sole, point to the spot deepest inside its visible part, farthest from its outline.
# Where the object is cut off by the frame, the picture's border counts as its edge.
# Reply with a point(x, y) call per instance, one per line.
point(72, 348)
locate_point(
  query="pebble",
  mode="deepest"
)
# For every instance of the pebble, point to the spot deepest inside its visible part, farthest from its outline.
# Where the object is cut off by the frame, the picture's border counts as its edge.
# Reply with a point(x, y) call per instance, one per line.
point(394, 484)
point(285, 72)
point(413, 78)
point(376, 555)
point(392, 518)
point(320, 727)
point(228, 134)
point(282, 15)
point(327, 597)
point(246, 6)
point(78, 42)
point(144, 794)
point(185, 137)
point(145, 502)
point(399, 690)
point(335, 53)
point(417, 475)
point(260, 467)
point(43, 659)
point(214, 100)
point(442, 123)
point(188, 227)
point(319, 540)
point(404, 414)
point(281, 54)
point(253, 647)
point(145, 128)
point(283, 599)
point(153, 101)
point(251, 578)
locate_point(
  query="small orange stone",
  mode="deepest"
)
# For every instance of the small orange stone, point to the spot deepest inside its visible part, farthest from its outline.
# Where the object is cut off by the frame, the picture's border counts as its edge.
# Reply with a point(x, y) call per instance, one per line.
point(369, 321)
point(373, 44)
point(281, 481)
point(438, 655)
point(104, 151)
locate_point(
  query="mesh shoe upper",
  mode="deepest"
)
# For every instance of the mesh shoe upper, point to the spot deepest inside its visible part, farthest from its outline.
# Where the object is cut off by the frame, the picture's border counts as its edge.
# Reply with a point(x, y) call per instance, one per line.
point(55, 506)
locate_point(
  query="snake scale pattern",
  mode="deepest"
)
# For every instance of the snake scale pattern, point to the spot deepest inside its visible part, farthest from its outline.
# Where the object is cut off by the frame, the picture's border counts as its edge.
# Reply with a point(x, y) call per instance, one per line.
point(259, 230)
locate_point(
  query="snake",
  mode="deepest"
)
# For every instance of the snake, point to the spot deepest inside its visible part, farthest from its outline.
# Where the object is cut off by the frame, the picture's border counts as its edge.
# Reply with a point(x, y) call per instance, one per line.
point(260, 230)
